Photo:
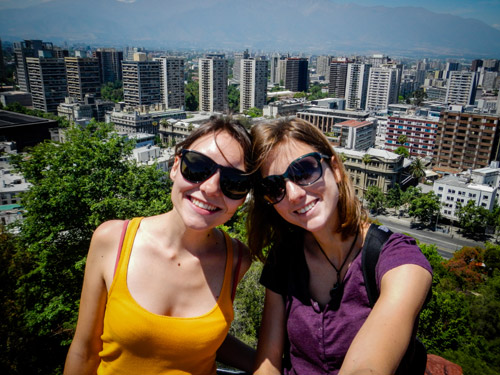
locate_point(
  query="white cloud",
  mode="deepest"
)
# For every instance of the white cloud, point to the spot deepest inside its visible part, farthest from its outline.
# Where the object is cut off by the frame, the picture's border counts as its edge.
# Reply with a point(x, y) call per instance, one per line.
point(496, 26)
point(127, 1)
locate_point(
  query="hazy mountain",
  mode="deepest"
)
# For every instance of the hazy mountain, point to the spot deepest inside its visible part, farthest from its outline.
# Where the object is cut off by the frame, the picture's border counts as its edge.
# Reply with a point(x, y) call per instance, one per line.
point(311, 26)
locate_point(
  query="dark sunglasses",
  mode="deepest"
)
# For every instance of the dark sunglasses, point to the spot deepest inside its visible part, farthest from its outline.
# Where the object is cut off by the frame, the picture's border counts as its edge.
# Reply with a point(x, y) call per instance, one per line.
point(303, 171)
point(196, 168)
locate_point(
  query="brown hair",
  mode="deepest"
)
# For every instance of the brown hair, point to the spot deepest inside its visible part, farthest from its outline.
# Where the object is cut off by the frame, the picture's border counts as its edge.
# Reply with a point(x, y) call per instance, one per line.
point(265, 226)
point(220, 124)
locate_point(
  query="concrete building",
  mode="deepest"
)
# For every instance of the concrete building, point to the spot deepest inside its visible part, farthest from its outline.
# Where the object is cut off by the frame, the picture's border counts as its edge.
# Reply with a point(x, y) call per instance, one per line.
point(110, 64)
point(24, 49)
point(172, 81)
point(253, 84)
point(357, 85)
point(421, 133)
point(382, 88)
point(143, 119)
point(141, 82)
point(296, 74)
point(385, 169)
point(338, 78)
point(461, 88)
point(11, 97)
point(48, 84)
point(173, 131)
point(325, 119)
point(455, 191)
point(238, 56)
point(83, 77)
point(212, 75)
point(274, 74)
point(323, 66)
point(79, 112)
point(466, 140)
point(284, 107)
point(354, 135)
point(24, 130)
point(2, 65)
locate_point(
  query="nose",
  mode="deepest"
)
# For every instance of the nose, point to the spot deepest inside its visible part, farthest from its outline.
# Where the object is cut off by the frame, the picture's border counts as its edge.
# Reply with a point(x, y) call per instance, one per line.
point(294, 192)
point(211, 186)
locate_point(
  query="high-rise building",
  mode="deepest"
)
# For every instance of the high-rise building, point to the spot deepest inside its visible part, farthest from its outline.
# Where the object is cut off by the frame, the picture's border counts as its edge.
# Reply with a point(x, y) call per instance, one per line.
point(475, 65)
point(461, 88)
point(323, 66)
point(172, 81)
point(466, 140)
point(2, 66)
point(357, 85)
point(83, 77)
point(491, 65)
point(141, 82)
point(238, 56)
point(338, 78)
point(110, 64)
point(29, 48)
point(382, 88)
point(274, 79)
point(253, 84)
point(450, 67)
point(296, 74)
point(47, 77)
point(212, 75)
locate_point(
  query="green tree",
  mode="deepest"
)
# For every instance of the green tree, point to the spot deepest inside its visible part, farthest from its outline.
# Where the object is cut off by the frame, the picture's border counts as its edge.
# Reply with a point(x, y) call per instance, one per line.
point(254, 112)
point(417, 169)
point(301, 94)
point(425, 207)
point(402, 139)
point(112, 91)
point(403, 151)
point(395, 197)
point(76, 186)
point(472, 218)
point(419, 96)
point(315, 92)
point(409, 195)
point(233, 96)
point(375, 198)
point(191, 91)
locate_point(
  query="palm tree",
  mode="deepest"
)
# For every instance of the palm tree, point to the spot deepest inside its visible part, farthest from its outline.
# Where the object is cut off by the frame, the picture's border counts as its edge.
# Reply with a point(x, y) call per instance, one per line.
point(366, 160)
point(402, 139)
point(417, 169)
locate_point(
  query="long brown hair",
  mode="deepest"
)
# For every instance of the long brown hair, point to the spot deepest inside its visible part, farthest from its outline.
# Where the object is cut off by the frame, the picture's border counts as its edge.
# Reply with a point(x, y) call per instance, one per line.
point(264, 225)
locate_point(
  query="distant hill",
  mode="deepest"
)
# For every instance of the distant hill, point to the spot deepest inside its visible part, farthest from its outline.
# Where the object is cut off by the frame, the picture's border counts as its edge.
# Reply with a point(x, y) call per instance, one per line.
point(309, 26)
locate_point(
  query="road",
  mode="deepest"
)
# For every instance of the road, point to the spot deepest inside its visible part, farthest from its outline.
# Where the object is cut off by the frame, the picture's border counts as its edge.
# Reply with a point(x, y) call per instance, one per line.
point(447, 244)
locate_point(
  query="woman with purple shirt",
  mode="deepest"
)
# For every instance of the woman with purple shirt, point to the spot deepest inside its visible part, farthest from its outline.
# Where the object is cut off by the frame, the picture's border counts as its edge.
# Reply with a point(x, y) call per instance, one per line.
point(317, 318)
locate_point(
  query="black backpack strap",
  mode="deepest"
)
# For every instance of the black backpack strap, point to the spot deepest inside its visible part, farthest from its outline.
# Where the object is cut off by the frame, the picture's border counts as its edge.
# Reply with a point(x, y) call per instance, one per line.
point(375, 239)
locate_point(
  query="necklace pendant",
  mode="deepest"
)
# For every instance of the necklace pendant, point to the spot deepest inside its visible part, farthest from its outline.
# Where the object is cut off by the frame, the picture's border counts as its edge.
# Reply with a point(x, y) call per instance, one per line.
point(336, 294)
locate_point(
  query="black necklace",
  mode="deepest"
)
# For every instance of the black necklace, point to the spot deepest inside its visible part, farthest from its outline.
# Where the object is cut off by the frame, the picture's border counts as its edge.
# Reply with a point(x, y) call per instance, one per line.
point(337, 288)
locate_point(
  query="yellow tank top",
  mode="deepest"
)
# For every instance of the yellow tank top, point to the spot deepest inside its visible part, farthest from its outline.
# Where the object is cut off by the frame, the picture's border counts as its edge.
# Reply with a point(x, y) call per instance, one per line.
point(136, 341)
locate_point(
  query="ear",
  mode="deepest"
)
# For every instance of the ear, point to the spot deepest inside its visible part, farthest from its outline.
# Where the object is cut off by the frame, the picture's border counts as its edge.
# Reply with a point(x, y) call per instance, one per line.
point(335, 169)
point(175, 168)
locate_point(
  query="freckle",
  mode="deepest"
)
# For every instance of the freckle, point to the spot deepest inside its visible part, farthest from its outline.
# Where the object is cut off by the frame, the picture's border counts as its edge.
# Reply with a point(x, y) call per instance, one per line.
point(178, 264)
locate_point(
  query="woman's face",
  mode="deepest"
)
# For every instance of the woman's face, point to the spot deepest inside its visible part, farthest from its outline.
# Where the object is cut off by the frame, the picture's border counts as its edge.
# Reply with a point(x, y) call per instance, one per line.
point(312, 207)
point(203, 205)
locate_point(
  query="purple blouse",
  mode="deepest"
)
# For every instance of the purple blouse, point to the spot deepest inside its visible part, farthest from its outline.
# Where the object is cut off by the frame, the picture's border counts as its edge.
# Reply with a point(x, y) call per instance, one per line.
point(318, 338)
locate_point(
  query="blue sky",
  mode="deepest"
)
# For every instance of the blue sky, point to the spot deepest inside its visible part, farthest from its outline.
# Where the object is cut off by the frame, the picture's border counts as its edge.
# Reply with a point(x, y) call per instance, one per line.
point(487, 11)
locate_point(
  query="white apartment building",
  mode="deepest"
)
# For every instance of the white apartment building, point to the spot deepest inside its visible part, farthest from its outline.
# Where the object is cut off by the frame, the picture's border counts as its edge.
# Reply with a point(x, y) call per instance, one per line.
point(382, 88)
point(323, 66)
point(253, 84)
point(461, 88)
point(141, 82)
point(212, 73)
point(454, 191)
point(238, 56)
point(172, 81)
point(357, 135)
point(357, 85)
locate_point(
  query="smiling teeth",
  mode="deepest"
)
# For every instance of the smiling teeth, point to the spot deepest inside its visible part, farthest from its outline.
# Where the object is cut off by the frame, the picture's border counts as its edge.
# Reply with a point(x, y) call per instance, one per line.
point(205, 206)
point(306, 208)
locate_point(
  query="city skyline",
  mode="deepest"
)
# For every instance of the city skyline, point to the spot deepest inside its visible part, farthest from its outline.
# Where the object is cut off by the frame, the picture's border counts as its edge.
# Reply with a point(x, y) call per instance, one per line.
point(444, 29)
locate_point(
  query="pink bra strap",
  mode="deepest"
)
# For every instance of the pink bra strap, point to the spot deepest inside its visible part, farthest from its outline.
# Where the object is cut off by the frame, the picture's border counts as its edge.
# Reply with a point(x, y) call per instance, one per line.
point(124, 231)
point(236, 272)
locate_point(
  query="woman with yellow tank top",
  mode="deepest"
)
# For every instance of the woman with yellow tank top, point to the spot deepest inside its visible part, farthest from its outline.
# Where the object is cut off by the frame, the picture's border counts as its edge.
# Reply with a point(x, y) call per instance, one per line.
point(157, 292)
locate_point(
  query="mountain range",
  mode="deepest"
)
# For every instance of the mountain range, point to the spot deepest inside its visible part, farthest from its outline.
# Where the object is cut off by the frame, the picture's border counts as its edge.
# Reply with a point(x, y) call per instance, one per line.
point(308, 26)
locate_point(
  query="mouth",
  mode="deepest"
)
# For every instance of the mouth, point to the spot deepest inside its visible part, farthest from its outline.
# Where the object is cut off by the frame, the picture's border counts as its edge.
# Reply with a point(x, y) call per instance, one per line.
point(203, 205)
point(307, 208)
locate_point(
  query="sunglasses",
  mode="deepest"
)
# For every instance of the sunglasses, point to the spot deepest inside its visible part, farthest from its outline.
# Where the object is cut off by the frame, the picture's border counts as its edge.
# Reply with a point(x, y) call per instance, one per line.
point(303, 171)
point(196, 168)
